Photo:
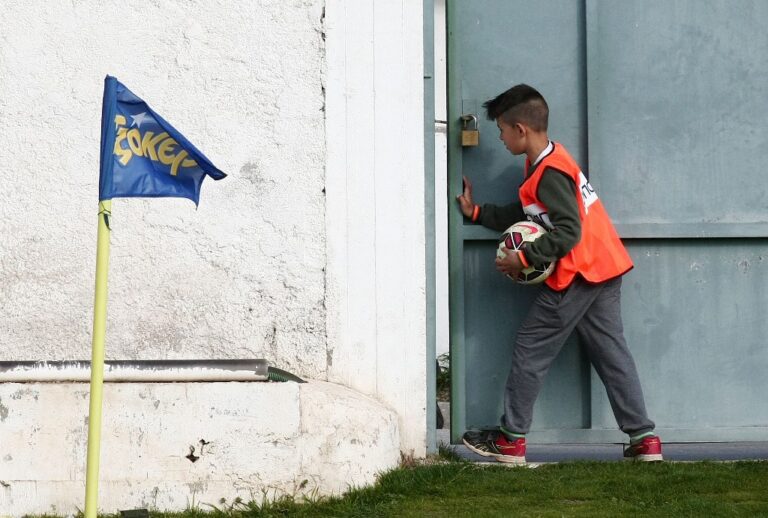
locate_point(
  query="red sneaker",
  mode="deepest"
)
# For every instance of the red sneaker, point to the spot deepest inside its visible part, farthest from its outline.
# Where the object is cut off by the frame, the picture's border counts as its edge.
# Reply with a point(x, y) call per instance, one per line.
point(647, 450)
point(498, 446)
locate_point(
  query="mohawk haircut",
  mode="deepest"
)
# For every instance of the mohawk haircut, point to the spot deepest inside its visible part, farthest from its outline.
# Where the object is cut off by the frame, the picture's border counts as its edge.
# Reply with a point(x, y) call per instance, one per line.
point(521, 103)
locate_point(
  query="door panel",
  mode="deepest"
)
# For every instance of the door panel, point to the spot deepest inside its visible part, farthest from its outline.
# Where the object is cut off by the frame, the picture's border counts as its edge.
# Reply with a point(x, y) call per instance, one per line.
point(494, 308)
point(495, 55)
point(695, 312)
point(677, 112)
point(489, 51)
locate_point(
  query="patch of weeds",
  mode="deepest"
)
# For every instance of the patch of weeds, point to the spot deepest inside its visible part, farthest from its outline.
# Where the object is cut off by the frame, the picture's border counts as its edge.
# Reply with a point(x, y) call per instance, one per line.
point(408, 461)
point(447, 453)
point(444, 377)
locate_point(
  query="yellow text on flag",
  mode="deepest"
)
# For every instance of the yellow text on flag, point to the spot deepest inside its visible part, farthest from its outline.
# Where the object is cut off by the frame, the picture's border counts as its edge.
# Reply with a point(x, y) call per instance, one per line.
point(130, 142)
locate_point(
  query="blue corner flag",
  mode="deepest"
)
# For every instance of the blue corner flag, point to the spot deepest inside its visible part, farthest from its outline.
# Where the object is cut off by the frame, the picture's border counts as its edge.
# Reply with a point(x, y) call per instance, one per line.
point(142, 155)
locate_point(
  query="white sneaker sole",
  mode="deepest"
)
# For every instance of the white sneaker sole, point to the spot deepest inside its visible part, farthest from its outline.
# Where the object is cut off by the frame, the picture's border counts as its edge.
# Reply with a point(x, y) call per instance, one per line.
point(507, 459)
point(646, 458)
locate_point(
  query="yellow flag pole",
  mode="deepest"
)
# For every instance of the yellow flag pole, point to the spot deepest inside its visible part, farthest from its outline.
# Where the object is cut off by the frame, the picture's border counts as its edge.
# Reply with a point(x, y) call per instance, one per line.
point(97, 361)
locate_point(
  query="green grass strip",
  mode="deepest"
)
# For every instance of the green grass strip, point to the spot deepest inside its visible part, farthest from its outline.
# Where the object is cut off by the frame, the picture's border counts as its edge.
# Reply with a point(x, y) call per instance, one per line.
point(596, 489)
point(608, 489)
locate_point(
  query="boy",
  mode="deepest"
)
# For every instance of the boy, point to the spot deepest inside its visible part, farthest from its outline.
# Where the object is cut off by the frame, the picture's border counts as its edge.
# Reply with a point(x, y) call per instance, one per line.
point(583, 293)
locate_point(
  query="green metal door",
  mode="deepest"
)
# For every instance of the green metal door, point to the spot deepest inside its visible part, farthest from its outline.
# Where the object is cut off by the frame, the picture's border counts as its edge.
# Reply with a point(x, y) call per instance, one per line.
point(663, 105)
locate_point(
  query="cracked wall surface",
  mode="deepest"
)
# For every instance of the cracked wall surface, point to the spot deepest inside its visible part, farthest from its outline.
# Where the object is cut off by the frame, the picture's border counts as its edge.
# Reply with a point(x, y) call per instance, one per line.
point(243, 276)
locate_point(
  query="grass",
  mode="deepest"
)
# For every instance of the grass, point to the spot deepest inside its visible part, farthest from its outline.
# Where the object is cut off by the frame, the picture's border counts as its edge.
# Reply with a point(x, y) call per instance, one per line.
point(448, 486)
point(453, 488)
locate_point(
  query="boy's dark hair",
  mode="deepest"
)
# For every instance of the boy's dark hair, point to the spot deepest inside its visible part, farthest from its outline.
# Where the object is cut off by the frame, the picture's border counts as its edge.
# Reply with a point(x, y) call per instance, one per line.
point(521, 103)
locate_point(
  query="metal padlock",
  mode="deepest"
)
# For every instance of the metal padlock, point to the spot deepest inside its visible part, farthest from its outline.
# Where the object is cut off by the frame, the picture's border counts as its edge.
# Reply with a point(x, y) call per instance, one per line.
point(470, 136)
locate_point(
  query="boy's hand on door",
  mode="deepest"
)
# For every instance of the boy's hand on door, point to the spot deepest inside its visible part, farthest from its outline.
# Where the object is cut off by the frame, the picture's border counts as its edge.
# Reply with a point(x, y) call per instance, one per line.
point(466, 203)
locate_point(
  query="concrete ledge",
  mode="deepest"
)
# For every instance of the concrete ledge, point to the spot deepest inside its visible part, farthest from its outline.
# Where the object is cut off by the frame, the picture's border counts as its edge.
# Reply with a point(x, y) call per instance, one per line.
point(169, 446)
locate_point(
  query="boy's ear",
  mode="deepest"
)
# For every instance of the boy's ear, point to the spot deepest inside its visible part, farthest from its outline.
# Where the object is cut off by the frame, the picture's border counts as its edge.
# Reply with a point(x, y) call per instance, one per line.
point(521, 129)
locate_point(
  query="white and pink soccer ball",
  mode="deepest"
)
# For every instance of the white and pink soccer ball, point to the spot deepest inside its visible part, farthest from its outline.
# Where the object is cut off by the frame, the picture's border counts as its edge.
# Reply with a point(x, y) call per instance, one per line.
point(517, 237)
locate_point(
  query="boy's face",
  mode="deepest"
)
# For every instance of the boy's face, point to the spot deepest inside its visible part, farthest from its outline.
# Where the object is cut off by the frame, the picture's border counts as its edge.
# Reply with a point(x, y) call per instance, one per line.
point(512, 135)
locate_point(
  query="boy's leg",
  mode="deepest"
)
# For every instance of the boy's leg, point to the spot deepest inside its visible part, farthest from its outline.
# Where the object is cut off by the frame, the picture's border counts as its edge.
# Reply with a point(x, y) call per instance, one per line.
point(540, 338)
point(602, 334)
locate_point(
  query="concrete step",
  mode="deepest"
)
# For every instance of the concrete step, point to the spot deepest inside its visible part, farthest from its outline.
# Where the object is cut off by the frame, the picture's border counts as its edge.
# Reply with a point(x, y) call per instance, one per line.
point(169, 445)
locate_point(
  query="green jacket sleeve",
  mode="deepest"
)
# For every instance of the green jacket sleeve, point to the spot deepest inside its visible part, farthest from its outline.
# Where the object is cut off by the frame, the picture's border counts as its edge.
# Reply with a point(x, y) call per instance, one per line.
point(500, 218)
point(558, 194)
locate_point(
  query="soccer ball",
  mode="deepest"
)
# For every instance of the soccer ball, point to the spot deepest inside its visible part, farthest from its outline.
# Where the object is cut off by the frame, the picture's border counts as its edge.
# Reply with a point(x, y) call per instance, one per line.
point(515, 238)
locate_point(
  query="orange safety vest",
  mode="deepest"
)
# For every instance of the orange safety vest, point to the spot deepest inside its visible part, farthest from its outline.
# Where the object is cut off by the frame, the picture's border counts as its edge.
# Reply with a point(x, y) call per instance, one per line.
point(599, 255)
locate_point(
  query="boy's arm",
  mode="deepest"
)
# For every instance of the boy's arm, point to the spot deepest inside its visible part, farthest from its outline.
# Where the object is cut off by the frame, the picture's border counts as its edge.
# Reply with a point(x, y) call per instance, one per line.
point(500, 218)
point(558, 194)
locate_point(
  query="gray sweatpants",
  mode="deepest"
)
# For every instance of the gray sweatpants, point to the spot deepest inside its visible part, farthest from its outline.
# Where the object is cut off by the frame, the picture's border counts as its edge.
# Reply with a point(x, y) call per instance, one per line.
point(594, 310)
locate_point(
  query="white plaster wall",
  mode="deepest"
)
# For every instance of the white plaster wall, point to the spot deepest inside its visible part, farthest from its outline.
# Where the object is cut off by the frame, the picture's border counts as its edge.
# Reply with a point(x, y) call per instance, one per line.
point(310, 254)
point(375, 206)
point(242, 276)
